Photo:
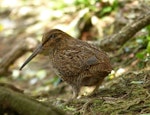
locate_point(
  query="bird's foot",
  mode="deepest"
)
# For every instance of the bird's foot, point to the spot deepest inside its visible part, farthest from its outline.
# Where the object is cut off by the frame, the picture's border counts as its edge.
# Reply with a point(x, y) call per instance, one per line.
point(85, 107)
point(68, 102)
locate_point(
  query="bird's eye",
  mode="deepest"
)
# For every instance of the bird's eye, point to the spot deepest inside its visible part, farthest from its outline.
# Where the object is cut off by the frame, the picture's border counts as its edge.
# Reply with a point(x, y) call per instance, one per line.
point(53, 36)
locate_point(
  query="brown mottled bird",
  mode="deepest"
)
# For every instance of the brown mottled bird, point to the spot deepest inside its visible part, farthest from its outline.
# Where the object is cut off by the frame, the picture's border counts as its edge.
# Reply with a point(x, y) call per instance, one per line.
point(75, 61)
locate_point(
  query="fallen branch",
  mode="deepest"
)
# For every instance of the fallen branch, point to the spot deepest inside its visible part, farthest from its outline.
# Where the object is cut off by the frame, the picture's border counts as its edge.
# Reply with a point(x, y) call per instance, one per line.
point(17, 50)
point(11, 56)
point(115, 41)
point(20, 104)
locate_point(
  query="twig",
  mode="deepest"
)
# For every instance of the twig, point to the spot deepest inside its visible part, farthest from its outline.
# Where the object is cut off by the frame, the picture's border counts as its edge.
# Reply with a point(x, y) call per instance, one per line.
point(115, 41)
point(23, 105)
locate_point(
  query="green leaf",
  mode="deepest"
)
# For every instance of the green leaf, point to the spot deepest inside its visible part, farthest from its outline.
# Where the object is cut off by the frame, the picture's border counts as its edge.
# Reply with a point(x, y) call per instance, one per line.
point(148, 38)
point(106, 10)
point(140, 55)
point(148, 47)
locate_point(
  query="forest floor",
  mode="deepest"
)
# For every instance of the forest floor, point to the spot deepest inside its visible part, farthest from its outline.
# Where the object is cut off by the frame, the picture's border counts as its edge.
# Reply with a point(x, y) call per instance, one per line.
point(126, 94)
point(126, 91)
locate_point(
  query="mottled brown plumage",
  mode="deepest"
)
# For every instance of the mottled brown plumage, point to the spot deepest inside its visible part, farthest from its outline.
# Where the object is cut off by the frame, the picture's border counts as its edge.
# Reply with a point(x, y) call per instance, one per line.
point(76, 62)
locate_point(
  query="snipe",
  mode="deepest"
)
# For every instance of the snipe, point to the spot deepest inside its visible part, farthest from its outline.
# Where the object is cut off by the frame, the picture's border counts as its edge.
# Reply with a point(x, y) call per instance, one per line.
point(75, 61)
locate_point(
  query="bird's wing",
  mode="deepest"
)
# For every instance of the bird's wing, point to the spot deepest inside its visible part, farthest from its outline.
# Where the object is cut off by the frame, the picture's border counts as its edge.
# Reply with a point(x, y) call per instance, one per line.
point(74, 60)
point(92, 61)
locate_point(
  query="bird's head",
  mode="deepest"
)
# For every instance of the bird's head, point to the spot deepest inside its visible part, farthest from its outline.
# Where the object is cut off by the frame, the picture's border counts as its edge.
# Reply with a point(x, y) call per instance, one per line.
point(50, 40)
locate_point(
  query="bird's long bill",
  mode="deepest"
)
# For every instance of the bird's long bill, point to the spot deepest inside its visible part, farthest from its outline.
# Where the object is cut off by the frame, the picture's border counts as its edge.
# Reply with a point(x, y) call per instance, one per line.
point(35, 52)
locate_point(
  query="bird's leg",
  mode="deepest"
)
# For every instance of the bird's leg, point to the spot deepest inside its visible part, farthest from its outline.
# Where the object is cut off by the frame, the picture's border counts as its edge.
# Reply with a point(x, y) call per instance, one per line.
point(76, 91)
point(90, 100)
point(95, 89)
